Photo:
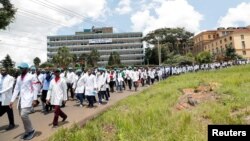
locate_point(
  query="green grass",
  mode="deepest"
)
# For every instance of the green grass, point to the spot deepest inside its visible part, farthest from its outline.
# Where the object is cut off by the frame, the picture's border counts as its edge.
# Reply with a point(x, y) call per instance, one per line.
point(151, 115)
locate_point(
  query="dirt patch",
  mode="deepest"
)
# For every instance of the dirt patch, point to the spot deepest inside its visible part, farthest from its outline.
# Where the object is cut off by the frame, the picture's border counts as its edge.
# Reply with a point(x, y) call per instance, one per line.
point(193, 96)
point(109, 128)
point(244, 113)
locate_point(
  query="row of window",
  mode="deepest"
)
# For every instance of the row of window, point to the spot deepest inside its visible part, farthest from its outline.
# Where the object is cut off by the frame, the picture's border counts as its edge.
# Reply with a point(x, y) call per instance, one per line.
point(94, 36)
point(54, 44)
point(99, 48)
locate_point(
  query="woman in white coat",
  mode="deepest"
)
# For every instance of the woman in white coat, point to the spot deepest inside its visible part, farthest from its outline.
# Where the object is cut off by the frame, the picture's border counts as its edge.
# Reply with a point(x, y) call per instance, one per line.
point(6, 87)
point(90, 87)
point(57, 95)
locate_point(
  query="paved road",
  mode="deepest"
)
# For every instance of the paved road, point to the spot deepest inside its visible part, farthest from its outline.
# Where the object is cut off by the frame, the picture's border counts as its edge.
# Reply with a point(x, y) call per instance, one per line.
point(42, 123)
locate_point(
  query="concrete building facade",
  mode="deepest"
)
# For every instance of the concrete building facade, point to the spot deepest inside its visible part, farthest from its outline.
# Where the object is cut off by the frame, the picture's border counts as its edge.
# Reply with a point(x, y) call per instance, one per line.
point(216, 41)
point(128, 45)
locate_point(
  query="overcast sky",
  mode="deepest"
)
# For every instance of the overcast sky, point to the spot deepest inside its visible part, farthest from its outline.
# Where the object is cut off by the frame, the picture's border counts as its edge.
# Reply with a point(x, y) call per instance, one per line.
point(25, 38)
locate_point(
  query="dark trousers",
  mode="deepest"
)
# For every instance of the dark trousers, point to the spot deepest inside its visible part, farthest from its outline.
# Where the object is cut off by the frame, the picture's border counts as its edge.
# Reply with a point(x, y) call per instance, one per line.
point(58, 112)
point(142, 82)
point(107, 91)
point(80, 97)
point(4, 109)
point(136, 83)
point(70, 89)
point(48, 107)
point(91, 100)
point(101, 95)
point(130, 84)
point(152, 81)
point(112, 84)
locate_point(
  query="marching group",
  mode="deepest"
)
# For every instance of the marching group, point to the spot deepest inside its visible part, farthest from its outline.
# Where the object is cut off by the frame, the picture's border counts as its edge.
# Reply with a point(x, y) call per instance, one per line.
point(56, 87)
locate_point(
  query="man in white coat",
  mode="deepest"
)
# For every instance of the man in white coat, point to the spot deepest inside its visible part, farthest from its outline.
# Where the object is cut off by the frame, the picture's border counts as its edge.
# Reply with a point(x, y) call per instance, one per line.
point(57, 95)
point(27, 99)
point(101, 85)
point(78, 86)
point(90, 87)
point(6, 87)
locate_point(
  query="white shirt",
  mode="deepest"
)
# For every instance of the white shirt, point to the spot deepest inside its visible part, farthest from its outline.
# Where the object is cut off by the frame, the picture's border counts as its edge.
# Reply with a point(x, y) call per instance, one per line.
point(57, 92)
point(90, 85)
point(25, 88)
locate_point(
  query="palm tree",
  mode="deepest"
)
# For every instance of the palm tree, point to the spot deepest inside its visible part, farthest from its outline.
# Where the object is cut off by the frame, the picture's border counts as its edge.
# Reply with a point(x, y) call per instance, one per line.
point(93, 57)
point(63, 57)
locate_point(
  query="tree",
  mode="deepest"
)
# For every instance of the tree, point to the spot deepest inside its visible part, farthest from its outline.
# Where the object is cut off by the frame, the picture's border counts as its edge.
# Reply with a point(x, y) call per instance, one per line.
point(63, 57)
point(37, 61)
point(176, 37)
point(7, 13)
point(204, 57)
point(46, 64)
point(148, 53)
point(93, 57)
point(114, 59)
point(8, 63)
point(230, 53)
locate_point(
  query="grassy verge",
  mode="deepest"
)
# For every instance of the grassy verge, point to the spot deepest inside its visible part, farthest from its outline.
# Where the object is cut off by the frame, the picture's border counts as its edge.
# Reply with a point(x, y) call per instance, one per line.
point(151, 115)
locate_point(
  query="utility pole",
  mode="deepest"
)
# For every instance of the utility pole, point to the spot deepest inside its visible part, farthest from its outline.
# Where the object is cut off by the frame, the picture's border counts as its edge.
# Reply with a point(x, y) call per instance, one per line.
point(159, 50)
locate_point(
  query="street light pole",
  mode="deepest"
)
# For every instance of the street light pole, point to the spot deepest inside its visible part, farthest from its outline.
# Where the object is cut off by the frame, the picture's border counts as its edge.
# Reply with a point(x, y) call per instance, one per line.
point(159, 50)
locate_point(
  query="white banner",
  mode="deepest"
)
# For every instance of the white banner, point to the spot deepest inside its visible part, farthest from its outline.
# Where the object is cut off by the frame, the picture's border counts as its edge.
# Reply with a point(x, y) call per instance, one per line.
point(99, 41)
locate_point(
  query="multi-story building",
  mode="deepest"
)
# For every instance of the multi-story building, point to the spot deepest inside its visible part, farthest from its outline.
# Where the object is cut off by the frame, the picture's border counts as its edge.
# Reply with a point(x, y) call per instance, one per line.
point(128, 45)
point(216, 41)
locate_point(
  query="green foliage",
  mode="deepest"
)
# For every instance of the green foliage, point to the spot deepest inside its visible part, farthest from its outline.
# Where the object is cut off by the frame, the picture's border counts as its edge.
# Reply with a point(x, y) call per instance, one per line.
point(175, 37)
point(93, 58)
point(8, 63)
point(152, 115)
point(37, 61)
point(230, 53)
point(46, 65)
point(114, 59)
point(63, 57)
point(7, 13)
point(203, 57)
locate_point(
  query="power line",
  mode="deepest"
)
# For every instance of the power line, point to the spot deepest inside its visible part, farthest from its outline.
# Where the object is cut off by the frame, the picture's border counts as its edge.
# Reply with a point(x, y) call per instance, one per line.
point(68, 12)
point(44, 19)
point(32, 38)
point(10, 45)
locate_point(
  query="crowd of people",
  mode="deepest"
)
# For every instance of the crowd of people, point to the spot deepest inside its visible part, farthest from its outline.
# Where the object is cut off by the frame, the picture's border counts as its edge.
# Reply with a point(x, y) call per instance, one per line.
point(91, 86)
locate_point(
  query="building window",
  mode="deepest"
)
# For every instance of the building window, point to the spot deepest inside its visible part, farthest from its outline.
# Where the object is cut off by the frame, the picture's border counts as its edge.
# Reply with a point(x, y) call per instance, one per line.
point(244, 52)
point(225, 40)
point(213, 36)
point(243, 44)
point(209, 36)
point(221, 41)
point(242, 37)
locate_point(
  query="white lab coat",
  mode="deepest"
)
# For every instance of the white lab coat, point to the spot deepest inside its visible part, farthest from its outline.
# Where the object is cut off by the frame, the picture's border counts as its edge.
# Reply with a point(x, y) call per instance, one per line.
point(107, 80)
point(57, 92)
point(90, 85)
point(37, 84)
point(135, 76)
point(101, 82)
point(26, 90)
point(7, 88)
point(79, 84)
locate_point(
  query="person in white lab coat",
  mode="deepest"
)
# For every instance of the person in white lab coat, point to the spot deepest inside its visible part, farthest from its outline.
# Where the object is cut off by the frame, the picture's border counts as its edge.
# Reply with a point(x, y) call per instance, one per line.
point(6, 87)
point(27, 99)
point(101, 85)
point(78, 86)
point(90, 87)
point(57, 95)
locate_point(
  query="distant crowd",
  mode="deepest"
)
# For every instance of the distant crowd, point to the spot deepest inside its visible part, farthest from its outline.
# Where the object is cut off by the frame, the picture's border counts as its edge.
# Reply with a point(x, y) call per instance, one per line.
point(52, 88)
